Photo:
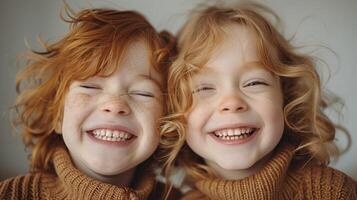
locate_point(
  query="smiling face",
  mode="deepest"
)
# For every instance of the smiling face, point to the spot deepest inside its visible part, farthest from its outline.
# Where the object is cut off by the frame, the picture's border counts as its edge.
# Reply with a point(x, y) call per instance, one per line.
point(110, 123)
point(237, 117)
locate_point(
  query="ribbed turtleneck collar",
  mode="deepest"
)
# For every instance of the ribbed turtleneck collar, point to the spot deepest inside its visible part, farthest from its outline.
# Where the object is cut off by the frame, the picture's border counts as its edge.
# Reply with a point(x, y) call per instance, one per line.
point(265, 184)
point(72, 184)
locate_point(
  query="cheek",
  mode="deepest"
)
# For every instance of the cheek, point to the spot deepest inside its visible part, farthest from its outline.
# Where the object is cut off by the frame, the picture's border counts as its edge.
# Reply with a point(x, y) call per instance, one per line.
point(74, 107)
point(197, 115)
point(191, 120)
point(154, 110)
point(277, 118)
point(279, 114)
point(194, 138)
point(148, 113)
point(78, 101)
point(274, 115)
point(274, 105)
point(196, 121)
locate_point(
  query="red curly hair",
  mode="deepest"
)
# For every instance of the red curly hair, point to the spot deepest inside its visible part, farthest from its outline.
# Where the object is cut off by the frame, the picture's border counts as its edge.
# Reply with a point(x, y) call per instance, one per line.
point(95, 44)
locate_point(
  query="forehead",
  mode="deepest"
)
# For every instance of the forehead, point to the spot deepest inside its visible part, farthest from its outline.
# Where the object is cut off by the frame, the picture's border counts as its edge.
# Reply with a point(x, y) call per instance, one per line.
point(136, 54)
point(239, 44)
point(236, 49)
point(138, 60)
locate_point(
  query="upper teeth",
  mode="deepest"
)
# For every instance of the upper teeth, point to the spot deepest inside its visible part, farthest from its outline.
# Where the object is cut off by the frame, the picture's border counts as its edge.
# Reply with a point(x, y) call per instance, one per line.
point(111, 133)
point(233, 132)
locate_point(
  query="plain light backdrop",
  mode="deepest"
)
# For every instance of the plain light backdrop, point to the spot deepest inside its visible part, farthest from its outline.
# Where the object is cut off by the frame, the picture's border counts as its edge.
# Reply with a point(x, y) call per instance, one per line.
point(330, 23)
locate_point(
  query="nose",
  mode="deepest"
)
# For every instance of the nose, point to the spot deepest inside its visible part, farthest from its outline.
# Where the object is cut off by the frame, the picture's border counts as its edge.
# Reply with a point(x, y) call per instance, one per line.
point(116, 106)
point(233, 103)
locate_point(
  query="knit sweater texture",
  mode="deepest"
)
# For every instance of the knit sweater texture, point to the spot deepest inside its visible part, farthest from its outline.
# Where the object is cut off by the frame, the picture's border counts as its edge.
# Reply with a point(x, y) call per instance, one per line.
point(70, 183)
point(280, 178)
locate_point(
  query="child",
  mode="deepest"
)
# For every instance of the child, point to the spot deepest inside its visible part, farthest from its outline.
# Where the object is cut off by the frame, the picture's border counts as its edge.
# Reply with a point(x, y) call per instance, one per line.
point(246, 113)
point(88, 108)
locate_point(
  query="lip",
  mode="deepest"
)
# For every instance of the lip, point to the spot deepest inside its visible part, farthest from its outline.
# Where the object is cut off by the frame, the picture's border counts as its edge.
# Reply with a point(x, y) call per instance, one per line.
point(236, 142)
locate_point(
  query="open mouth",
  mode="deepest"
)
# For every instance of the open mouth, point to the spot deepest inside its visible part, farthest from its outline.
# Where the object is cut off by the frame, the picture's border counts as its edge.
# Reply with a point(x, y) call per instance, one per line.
point(234, 133)
point(111, 135)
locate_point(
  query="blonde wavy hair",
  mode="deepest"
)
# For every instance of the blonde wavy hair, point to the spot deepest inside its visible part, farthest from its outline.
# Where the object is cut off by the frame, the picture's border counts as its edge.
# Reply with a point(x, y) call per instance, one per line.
point(305, 123)
point(95, 44)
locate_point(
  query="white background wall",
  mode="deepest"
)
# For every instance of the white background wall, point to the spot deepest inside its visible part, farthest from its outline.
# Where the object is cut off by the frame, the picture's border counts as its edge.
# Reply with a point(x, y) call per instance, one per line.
point(332, 23)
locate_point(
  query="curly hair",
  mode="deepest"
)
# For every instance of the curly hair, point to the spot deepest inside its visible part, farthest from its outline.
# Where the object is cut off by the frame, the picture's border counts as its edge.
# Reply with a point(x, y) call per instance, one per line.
point(96, 42)
point(306, 125)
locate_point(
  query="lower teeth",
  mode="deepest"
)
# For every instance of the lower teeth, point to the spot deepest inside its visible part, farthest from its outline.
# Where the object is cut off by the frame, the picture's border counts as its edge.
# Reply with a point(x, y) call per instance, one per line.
point(111, 138)
point(243, 136)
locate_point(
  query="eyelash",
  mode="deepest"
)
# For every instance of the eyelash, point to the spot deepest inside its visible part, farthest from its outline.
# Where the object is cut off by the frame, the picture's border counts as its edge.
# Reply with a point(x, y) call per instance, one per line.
point(143, 94)
point(254, 83)
point(202, 89)
point(90, 87)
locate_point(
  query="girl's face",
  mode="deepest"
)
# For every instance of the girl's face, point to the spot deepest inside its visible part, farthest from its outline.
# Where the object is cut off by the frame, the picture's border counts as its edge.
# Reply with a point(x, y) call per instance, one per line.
point(237, 117)
point(110, 123)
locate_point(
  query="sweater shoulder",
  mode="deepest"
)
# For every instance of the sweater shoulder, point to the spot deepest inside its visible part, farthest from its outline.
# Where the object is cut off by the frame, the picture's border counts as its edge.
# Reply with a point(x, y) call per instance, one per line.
point(21, 187)
point(322, 182)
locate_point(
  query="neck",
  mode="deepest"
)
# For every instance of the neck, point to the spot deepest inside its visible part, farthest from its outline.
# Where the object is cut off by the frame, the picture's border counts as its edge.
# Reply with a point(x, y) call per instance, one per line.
point(238, 174)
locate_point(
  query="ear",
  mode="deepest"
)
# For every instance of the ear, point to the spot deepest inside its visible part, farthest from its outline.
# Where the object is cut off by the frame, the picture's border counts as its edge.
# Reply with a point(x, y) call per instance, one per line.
point(58, 128)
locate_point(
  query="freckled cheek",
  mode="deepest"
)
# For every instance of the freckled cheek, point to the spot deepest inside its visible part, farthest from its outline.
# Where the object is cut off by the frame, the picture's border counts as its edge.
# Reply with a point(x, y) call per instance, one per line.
point(76, 106)
point(158, 110)
point(78, 101)
point(148, 116)
point(153, 110)
point(75, 112)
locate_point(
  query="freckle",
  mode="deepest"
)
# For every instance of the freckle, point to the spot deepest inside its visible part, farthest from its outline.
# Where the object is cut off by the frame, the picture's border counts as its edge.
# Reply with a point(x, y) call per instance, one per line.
point(78, 100)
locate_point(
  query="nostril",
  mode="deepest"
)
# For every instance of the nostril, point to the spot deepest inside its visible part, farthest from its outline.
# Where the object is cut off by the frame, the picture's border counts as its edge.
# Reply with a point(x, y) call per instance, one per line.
point(240, 108)
point(225, 109)
point(233, 109)
point(122, 112)
point(116, 107)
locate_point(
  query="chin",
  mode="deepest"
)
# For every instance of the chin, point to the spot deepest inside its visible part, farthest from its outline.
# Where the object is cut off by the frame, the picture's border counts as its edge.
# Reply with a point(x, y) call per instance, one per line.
point(234, 165)
point(106, 171)
point(109, 170)
point(112, 172)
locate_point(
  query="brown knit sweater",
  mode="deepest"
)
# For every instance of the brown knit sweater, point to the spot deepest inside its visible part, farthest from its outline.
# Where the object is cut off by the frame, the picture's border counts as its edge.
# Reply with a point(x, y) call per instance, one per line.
point(70, 183)
point(280, 179)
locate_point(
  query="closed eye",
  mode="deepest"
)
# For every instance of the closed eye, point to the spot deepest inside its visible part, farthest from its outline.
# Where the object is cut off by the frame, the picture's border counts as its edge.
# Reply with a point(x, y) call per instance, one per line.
point(255, 83)
point(144, 94)
point(90, 87)
point(201, 89)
